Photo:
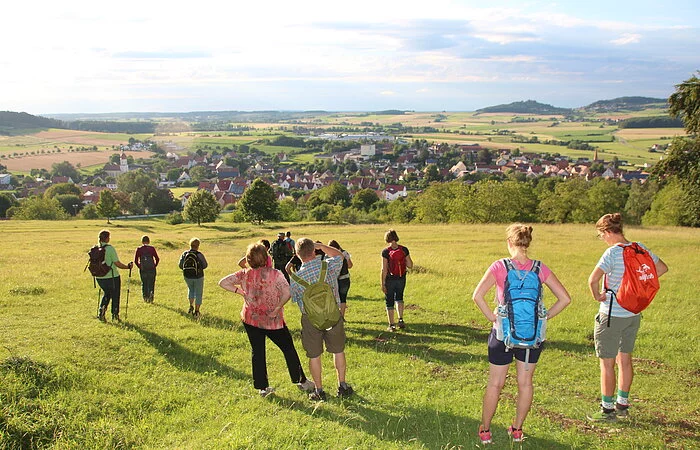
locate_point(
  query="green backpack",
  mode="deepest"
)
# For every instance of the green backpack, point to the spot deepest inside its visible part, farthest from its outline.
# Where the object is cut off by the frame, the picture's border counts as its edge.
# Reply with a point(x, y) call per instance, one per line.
point(319, 302)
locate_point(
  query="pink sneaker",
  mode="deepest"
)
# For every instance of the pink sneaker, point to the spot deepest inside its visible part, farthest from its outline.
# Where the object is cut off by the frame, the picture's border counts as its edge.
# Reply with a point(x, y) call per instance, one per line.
point(484, 435)
point(515, 433)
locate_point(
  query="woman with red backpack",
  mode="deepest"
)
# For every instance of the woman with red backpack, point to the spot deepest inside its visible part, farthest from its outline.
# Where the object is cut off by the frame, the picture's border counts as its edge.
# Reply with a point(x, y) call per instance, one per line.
point(617, 322)
point(395, 260)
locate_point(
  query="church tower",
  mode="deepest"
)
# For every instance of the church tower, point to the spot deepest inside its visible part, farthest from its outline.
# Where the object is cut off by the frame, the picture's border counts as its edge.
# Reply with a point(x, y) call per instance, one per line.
point(123, 163)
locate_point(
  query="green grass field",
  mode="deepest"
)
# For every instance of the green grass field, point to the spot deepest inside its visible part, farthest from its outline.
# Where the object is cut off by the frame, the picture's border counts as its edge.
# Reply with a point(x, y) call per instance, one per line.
point(161, 380)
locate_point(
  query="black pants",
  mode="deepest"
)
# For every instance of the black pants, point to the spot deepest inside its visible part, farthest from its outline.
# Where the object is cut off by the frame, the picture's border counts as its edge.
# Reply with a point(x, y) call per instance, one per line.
point(148, 283)
point(282, 339)
point(111, 287)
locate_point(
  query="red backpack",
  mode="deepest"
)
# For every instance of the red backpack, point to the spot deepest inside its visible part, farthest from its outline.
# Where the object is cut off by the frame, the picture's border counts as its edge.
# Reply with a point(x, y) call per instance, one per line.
point(640, 282)
point(397, 261)
point(96, 262)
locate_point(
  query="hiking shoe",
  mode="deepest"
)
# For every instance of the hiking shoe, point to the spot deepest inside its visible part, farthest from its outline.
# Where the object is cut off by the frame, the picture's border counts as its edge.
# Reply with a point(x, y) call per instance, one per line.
point(115, 318)
point(191, 310)
point(345, 391)
point(318, 395)
point(306, 386)
point(101, 314)
point(265, 392)
point(603, 415)
point(197, 315)
point(621, 410)
point(391, 328)
point(484, 435)
point(402, 325)
point(515, 433)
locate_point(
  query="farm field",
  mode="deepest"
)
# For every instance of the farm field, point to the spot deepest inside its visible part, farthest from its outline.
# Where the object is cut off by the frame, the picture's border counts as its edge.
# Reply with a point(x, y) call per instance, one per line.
point(162, 380)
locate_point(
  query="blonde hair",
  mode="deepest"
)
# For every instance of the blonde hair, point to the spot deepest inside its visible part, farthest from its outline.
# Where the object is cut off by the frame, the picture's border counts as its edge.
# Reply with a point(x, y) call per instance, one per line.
point(305, 247)
point(194, 243)
point(519, 235)
point(610, 222)
point(256, 255)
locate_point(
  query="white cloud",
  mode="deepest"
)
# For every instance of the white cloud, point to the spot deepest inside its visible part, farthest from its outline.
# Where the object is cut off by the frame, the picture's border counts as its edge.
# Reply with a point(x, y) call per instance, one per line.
point(627, 38)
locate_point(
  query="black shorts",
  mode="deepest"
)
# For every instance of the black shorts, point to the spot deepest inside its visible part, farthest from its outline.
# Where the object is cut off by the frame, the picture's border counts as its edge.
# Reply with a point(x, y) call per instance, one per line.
point(498, 355)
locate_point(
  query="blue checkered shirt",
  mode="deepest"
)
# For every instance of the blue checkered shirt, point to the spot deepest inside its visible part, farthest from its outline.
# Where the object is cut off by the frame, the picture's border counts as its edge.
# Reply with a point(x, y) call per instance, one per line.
point(310, 272)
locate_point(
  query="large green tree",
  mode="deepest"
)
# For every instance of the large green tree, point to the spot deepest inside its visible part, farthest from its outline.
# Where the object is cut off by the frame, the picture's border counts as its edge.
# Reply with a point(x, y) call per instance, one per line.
point(333, 194)
point(40, 208)
point(136, 181)
point(62, 189)
point(685, 103)
point(364, 199)
point(65, 169)
point(201, 207)
point(259, 202)
point(107, 206)
point(6, 202)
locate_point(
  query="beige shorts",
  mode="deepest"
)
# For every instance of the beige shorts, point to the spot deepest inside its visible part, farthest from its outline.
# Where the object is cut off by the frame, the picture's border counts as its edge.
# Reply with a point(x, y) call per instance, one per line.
point(619, 337)
point(312, 339)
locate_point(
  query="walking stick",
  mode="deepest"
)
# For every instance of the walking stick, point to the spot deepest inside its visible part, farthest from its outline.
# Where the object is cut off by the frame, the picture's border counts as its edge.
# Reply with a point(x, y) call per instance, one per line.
point(99, 300)
point(128, 289)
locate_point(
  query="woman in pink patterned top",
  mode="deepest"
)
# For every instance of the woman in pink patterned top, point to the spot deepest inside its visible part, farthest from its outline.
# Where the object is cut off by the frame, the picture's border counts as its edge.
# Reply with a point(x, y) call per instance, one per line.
point(265, 291)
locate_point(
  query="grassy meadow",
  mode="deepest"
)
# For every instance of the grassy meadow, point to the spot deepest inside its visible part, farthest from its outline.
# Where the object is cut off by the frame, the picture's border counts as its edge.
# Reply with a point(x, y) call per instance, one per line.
point(162, 380)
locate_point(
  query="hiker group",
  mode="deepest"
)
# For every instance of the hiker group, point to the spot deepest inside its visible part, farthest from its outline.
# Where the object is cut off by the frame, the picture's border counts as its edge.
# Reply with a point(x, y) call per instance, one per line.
point(315, 276)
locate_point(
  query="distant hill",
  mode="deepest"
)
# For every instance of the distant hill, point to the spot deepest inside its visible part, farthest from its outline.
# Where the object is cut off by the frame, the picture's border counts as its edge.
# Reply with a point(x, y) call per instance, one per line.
point(14, 122)
point(626, 104)
point(10, 121)
point(526, 107)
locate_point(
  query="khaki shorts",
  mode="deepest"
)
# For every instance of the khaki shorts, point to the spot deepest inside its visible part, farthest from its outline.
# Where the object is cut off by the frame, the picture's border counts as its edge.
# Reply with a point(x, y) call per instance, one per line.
point(618, 338)
point(312, 339)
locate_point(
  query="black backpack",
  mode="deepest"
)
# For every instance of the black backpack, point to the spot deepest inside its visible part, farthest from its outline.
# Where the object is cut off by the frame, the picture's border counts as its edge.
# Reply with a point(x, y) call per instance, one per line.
point(281, 252)
point(96, 261)
point(191, 265)
point(147, 262)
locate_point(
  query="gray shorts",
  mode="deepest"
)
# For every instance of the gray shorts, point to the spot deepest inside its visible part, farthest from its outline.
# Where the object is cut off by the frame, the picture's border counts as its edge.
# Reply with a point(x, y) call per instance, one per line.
point(618, 338)
point(312, 338)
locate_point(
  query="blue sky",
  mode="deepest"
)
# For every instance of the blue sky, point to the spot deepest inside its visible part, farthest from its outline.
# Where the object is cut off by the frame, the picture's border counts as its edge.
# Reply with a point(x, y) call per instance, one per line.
point(154, 55)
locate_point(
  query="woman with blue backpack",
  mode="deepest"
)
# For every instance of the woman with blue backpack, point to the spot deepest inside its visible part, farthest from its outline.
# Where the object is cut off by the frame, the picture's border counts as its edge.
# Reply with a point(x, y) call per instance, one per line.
point(519, 324)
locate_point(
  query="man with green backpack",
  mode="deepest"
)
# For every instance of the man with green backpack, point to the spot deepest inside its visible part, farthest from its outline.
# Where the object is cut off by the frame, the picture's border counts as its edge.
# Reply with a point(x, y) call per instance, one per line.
point(314, 288)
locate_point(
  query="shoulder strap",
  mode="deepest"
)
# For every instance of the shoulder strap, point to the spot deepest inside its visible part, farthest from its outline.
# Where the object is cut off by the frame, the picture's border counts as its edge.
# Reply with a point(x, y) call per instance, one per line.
point(299, 280)
point(536, 266)
point(509, 264)
point(324, 269)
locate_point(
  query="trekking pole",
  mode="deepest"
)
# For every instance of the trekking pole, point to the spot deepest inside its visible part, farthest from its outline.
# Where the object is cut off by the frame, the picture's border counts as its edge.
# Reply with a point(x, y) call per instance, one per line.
point(128, 289)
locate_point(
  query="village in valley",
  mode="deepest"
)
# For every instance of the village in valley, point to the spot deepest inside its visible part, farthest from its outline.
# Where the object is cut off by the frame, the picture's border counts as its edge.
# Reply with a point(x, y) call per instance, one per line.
point(392, 167)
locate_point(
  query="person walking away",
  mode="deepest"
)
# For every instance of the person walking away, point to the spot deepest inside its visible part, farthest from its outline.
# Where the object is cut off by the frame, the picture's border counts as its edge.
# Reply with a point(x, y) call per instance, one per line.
point(288, 239)
point(615, 330)
point(312, 338)
point(110, 283)
point(192, 262)
point(281, 254)
point(395, 260)
point(265, 292)
point(146, 259)
point(344, 277)
point(500, 357)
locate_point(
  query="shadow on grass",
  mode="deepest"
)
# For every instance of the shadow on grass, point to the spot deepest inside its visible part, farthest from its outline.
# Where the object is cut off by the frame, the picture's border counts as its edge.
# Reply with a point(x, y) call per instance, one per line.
point(418, 340)
point(206, 320)
point(407, 425)
point(185, 359)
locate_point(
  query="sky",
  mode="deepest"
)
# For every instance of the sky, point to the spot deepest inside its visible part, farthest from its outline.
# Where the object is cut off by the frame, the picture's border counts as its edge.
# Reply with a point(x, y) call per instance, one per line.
point(78, 56)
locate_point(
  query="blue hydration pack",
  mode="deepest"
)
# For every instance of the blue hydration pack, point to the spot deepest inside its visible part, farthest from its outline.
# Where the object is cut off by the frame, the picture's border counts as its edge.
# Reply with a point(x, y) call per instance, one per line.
point(522, 319)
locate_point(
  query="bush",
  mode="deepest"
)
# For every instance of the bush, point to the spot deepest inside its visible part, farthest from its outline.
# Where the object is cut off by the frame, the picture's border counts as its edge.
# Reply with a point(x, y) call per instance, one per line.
point(174, 218)
point(89, 212)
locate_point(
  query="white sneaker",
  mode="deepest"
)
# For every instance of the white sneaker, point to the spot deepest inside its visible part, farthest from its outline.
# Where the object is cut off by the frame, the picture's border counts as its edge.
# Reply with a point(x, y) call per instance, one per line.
point(306, 386)
point(267, 391)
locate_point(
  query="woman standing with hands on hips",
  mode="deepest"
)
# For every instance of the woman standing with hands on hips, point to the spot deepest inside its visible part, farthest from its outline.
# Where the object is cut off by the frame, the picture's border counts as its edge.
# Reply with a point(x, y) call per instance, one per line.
point(519, 237)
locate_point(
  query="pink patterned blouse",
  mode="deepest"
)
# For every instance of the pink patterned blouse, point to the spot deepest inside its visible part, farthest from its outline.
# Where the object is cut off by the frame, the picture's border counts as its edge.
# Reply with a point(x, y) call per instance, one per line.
point(263, 289)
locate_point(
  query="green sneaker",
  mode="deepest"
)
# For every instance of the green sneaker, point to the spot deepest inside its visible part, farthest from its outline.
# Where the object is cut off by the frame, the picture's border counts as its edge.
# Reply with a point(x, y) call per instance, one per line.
point(603, 415)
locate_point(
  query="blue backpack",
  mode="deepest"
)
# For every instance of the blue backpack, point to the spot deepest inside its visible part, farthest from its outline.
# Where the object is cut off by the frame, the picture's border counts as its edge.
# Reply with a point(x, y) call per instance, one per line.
point(522, 319)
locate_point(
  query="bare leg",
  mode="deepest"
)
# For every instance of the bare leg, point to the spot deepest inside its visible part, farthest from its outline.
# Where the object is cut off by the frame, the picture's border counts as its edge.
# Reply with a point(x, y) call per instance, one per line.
point(607, 376)
point(497, 378)
point(390, 315)
point(315, 368)
point(400, 308)
point(626, 372)
point(525, 392)
point(340, 366)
